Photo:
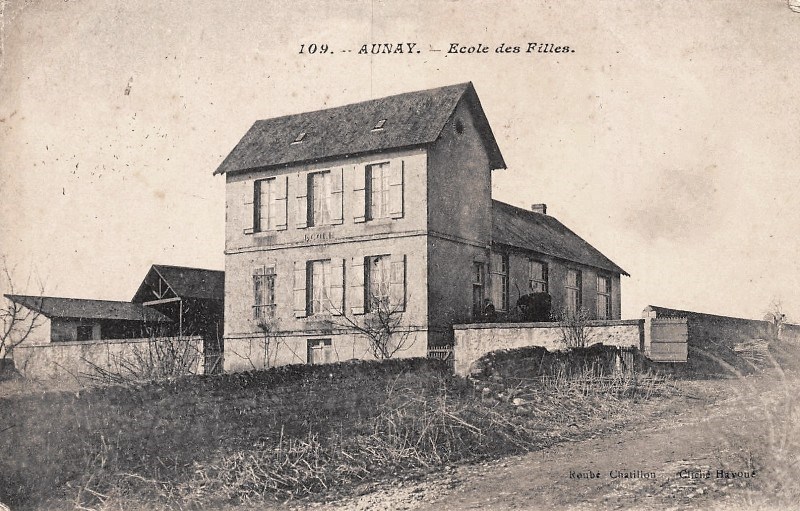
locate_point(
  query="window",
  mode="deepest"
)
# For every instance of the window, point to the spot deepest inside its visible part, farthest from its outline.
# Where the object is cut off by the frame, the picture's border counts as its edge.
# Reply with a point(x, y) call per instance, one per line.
point(378, 281)
point(573, 288)
point(378, 191)
point(499, 268)
point(264, 293)
point(269, 205)
point(263, 220)
point(319, 278)
point(477, 289)
point(319, 200)
point(603, 297)
point(84, 333)
point(320, 351)
point(538, 277)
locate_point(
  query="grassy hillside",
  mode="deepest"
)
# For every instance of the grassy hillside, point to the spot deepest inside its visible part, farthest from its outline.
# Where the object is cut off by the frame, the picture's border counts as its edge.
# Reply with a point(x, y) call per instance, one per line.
point(296, 432)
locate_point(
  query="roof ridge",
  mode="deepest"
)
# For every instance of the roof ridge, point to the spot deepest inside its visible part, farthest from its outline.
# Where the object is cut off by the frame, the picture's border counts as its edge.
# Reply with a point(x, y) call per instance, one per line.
point(67, 298)
point(356, 103)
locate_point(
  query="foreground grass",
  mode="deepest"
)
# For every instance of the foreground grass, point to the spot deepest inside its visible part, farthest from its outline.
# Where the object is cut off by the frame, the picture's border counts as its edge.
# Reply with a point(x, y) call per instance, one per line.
point(216, 441)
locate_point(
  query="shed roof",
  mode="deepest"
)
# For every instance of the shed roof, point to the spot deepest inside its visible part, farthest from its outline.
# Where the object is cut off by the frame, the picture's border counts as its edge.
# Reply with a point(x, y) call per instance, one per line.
point(80, 308)
point(537, 232)
point(411, 119)
point(185, 282)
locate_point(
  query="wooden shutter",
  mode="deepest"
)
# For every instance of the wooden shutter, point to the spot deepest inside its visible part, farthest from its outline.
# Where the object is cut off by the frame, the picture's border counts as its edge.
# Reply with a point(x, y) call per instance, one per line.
point(337, 195)
point(250, 210)
point(359, 194)
point(336, 294)
point(357, 286)
point(397, 285)
point(299, 289)
point(302, 200)
point(279, 191)
point(396, 168)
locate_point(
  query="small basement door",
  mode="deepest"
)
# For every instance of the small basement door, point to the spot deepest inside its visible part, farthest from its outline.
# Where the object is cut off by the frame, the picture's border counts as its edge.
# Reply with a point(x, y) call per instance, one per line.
point(320, 351)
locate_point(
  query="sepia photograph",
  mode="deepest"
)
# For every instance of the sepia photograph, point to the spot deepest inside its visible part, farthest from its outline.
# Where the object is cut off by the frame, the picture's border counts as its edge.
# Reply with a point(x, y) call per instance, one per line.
point(384, 255)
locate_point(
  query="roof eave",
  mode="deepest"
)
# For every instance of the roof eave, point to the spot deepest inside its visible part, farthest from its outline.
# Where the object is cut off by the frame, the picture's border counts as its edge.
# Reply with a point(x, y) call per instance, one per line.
point(615, 269)
point(321, 159)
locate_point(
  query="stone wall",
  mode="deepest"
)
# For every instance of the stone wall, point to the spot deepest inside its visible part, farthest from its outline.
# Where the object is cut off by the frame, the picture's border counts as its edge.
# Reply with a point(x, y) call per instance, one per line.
point(249, 353)
point(474, 340)
point(77, 362)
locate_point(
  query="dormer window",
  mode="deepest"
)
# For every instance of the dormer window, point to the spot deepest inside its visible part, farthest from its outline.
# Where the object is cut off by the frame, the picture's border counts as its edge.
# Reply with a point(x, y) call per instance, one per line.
point(379, 125)
point(299, 138)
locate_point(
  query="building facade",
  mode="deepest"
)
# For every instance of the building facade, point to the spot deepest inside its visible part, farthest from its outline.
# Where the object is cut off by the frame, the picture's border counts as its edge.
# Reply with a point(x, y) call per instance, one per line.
point(383, 208)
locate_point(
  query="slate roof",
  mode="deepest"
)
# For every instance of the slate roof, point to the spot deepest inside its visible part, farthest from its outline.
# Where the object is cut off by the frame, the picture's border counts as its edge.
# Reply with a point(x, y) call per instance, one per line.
point(521, 228)
point(187, 282)
point(412, 119)
point(79, 308)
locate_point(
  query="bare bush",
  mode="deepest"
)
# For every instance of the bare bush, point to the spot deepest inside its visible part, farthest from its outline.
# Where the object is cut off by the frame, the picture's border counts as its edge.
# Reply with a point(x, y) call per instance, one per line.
point(776, 316)
point(18, 321)
point(574, 325)
point(157, 358)
point(382, 326)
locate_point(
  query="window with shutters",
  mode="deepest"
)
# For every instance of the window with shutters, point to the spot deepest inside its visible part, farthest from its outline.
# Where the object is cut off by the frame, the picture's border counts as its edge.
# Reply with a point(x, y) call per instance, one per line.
point(573, 290)
point(603, 297)
point(377, 181)
point(378, 282)
point(269, 205)
point(262, 220)
point(318, 287)
point(319, 198)
point(264, 293)
point(538, 277)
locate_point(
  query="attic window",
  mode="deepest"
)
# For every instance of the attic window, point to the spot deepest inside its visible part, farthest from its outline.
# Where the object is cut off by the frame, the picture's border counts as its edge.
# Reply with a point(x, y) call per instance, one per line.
point(379, 125)
point(299, 138)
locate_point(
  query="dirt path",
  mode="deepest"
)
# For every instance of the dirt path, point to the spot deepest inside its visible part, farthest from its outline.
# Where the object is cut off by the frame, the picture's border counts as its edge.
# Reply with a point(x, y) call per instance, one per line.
point(698, 436)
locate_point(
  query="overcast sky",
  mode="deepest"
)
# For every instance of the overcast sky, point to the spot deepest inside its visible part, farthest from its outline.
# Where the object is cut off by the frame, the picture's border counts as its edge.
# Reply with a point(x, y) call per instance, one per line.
point(669, 139)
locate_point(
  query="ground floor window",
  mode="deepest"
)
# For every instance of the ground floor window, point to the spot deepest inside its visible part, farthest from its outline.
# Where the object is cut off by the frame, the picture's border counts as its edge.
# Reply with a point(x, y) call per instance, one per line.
point(573, 288)
point(378, 283)
point(603, 297)
point(319, 277)
point(84, 333)
point(264, 293)
point(320, 351)
point(538, 277)
point(501, 274)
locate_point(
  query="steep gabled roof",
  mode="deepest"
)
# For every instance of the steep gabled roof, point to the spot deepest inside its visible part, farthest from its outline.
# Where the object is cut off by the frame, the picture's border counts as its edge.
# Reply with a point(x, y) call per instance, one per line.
point(80, 308)
point(537, 232)
point(411, 119)
point(185, 282)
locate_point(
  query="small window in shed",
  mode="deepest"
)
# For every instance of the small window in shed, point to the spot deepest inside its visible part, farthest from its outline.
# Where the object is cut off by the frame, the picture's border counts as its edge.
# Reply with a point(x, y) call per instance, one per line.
point(379, 125)
point(299, 138)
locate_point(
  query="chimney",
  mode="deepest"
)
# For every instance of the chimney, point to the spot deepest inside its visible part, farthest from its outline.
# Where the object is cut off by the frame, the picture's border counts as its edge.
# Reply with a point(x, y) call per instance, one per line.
point(539, 208)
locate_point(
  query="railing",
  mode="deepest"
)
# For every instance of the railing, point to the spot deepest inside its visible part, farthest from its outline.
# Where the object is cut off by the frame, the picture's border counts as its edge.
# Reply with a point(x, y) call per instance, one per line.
point(445, 353)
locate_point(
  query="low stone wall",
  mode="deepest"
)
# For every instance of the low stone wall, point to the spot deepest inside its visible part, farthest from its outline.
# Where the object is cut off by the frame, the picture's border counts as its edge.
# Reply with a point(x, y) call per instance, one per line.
point(247, 353)
point(79, 361)
point(472, 341)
